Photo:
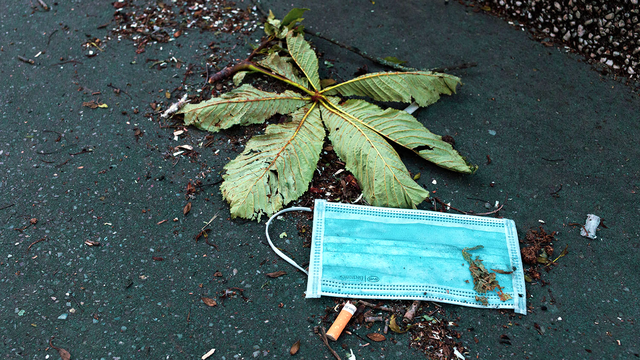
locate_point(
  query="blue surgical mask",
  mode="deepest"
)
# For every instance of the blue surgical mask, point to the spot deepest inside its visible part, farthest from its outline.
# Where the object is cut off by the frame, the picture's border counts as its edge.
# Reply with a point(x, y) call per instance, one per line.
point(371, 252)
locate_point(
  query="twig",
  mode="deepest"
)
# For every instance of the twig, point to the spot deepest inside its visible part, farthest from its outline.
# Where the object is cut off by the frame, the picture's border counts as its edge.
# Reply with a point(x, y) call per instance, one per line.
point(373, 318)
point(175, 107)
point(467, 212)
point(576, 224)
point(383, 62)
point(491, 212)
point(323, 337)
point(210, 221)
point(408, 316)
point(35, 242)
point(118, 90)
point(83, 151)
point(6, 206)
point(67, 62)
point(455, 67)
point(447, 206)
point(44, 5)
point(24, 59)
point(555, 193)
point(206, 240)
point(373, 306)
point(363, 54)
point(50, 35)
point(229, 71)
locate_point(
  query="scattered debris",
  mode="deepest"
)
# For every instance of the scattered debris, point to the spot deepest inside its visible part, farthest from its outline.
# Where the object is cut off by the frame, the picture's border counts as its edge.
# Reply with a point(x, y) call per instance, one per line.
point(393, 325)
point(94, 105)
point(376, 337)
point(408, 316)
point(186, 208)
point(209, 301)
point(323, 336)
point(64, 354)
point(91, 243)
point(276, 274)
point(537, 249)
point(504, 339)
point(166, 21)
point(294, 348)
point(35, 242)
point(590, 227)
point(25, 60)
point(174, 108)
point(208, 354)
point(44, 5)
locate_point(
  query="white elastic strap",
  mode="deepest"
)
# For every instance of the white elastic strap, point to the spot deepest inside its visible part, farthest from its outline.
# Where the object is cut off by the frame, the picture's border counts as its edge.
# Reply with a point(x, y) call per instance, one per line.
point(283, 256)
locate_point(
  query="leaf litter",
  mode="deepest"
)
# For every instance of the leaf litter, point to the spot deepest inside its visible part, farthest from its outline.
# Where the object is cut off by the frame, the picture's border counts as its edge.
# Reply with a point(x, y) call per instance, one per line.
point(430, 332)
point(537, 249)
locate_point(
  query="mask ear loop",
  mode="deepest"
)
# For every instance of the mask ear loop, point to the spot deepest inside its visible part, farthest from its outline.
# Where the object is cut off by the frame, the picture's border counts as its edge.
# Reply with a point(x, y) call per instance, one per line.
point(283, 256)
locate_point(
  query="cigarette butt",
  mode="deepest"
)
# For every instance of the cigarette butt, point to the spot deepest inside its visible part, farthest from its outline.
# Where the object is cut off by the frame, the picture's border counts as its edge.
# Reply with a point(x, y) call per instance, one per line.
point(341, 321)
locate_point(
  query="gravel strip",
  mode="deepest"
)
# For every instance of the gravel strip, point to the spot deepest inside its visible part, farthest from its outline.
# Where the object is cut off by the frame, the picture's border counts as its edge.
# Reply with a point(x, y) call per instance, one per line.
point(606, 32)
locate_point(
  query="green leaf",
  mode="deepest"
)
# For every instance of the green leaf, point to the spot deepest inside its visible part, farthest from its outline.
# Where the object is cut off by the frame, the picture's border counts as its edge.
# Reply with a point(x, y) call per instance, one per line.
point(423, 86)
point(243, 106)
point(305, 58)
point(275, 168)
point(282, 66)
point(384, 179)
point(404, 129)
point(295, 15)
point(395, 60)
point(272, 26)
point(238, 77)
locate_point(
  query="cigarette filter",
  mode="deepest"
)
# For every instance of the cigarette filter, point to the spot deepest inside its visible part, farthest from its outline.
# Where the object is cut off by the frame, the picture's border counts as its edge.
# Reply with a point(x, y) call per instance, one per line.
point(341, 321)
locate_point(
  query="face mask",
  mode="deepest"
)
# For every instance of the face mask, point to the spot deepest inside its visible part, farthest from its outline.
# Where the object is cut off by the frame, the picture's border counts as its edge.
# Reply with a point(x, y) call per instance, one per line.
point(383, 253)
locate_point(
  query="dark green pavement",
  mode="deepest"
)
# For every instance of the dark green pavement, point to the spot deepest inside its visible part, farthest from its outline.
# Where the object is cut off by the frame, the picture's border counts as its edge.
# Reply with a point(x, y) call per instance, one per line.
point(540, 103)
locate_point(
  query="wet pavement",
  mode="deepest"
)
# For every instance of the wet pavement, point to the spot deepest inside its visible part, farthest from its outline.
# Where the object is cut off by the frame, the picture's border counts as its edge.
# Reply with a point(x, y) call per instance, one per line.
point(554, 140)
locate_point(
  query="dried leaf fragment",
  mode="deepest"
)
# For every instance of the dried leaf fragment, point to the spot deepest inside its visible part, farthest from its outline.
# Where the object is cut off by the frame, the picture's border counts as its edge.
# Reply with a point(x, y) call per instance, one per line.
point(209, 301)
point(294, 348)
point(276, 274)
point(394, 326)
point(64, 354)
point(187, 208)
point(376, 337)
point(90, 104)
point(483, 280)
point(91, 243)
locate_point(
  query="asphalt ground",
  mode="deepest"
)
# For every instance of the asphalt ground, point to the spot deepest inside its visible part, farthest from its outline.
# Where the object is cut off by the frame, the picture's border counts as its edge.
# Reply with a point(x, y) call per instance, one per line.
point(562, 140)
